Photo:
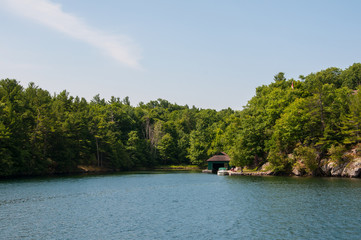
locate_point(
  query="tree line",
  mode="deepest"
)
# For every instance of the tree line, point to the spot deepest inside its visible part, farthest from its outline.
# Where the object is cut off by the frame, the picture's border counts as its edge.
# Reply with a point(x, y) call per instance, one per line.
point(316, 115)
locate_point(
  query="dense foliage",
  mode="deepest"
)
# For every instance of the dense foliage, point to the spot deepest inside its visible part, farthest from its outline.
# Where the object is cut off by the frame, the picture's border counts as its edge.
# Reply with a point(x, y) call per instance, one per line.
point(41, 133)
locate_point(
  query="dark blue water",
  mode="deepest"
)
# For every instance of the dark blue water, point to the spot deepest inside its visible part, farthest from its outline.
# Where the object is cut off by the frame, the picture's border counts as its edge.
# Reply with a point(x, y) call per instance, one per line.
point(180, 206)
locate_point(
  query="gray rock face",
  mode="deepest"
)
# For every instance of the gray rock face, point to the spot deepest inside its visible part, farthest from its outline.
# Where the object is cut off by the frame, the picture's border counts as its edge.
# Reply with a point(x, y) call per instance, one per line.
point(337, 170)
point(353, 169)
point(296, 172)
point(326, 167)
point(266, 166)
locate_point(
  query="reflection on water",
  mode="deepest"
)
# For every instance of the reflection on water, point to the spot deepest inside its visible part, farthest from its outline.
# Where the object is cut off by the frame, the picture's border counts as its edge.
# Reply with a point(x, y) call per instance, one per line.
point(180, 206)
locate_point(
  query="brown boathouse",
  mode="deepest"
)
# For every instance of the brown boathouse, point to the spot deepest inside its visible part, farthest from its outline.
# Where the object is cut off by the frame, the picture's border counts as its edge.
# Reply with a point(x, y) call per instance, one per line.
point(219, 160)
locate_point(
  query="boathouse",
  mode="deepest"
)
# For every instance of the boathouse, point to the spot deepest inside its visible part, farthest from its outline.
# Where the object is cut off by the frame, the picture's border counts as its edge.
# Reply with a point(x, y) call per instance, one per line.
point(219, 160)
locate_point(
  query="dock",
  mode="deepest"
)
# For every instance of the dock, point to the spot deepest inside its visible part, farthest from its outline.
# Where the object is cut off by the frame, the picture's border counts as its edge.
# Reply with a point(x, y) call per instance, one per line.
point(250, 173)
point(232, 173)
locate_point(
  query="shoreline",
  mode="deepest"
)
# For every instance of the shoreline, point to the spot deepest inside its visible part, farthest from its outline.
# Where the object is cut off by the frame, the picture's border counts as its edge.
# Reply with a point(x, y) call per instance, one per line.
point(95, 170)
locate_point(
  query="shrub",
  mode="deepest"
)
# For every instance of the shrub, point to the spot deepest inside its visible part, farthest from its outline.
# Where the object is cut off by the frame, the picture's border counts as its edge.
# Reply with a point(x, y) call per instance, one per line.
point(280, 162)
point(308, 156)
point(337, 153)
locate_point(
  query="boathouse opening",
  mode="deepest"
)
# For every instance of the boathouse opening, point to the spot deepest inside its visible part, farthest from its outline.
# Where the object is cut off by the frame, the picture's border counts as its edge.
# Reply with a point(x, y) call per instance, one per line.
point(216, 166)
point(219, 160)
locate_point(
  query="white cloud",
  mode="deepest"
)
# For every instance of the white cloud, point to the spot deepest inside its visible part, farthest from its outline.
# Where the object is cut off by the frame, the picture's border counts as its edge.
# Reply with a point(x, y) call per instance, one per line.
point(121, 48)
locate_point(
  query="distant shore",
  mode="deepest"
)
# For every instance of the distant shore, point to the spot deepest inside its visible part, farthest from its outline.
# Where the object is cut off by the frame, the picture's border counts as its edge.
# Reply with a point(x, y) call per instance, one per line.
point(94, 170)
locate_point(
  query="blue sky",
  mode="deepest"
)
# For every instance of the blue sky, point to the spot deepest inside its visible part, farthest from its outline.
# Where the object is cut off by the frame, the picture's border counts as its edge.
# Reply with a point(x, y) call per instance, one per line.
point(211, 54)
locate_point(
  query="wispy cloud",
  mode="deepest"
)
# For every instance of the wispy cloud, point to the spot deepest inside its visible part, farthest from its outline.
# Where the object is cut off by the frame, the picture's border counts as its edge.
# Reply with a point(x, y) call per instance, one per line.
point(45, 12)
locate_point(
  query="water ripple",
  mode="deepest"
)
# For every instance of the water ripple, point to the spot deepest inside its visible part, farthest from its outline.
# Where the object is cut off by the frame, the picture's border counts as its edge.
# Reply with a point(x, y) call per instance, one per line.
point(180, 206)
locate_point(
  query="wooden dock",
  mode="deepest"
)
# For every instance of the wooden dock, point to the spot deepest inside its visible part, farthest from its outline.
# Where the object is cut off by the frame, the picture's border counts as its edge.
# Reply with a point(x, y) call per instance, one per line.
point(250, 173)
point(232, 173)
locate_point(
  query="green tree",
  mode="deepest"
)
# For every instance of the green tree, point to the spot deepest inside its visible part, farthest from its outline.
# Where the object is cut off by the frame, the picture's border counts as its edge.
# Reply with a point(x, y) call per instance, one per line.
point(351, 77)
point(167, 148)
point(351, 121)
point(308, 155)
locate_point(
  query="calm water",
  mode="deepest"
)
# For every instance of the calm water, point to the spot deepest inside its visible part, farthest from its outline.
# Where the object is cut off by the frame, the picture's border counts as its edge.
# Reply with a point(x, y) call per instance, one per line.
point(180, 206)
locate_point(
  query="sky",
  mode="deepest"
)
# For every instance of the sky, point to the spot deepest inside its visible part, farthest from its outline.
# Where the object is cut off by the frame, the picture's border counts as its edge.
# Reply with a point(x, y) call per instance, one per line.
point(206, 53)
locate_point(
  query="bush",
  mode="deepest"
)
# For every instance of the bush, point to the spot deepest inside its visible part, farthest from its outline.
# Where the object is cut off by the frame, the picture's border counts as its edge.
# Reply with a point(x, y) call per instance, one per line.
point(280, 162)
point(337, 153)
point(308, 156)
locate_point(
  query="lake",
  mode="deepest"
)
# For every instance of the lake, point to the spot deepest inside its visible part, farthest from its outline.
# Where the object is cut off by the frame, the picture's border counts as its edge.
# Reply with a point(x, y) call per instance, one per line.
point(180, 205)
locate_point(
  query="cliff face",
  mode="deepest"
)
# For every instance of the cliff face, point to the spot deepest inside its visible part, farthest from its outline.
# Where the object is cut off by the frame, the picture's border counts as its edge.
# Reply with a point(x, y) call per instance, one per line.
point(351, 169)
point(329, 168)
point(347, 164)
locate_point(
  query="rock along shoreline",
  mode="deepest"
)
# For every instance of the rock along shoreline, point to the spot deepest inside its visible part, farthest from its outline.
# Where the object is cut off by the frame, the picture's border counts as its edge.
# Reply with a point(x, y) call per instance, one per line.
point(328, 168)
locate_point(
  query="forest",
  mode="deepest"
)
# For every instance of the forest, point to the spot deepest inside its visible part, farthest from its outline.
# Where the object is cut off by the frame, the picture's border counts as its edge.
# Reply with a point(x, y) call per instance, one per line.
point(287, 121)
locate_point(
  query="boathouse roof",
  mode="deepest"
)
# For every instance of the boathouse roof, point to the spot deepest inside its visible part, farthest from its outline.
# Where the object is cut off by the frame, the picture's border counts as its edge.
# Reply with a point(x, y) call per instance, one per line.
point(220, 157)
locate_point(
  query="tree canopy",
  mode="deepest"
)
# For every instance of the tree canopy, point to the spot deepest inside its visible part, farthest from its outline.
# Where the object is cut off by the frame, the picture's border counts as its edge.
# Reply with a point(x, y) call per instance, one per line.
point(42, 133)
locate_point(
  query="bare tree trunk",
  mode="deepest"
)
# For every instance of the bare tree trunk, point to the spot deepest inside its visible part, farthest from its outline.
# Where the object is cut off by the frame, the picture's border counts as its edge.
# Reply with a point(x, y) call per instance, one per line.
point(97, 144)
point(147, 126)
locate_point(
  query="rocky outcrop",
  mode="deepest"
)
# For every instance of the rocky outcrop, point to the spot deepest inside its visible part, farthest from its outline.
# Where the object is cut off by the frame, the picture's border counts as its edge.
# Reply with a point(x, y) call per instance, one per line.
point(337, 170)
point(299, 169)
point(266, 167)
point(297, 172)
point(326, 167)
point(351, 169)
